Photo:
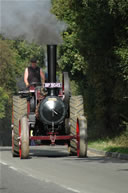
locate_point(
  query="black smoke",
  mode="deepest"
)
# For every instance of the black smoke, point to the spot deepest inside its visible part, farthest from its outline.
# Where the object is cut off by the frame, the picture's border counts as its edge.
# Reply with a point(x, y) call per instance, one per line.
point(30, 20)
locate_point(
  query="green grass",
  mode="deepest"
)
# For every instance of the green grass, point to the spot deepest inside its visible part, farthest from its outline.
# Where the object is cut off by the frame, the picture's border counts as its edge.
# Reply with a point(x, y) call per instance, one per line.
point(118, 144)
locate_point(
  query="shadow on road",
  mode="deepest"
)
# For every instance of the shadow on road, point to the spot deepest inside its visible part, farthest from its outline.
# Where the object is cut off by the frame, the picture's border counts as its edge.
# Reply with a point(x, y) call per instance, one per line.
point(99, 159)
point(123, 170)
point(5, 149)
point(55, 152)
point(3, 188)
point(48, 153)
point(41, 151)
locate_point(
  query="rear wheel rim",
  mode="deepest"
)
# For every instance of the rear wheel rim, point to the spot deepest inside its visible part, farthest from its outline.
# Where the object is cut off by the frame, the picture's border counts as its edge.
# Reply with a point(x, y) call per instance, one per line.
point(20, 152)
point(12, 141)
point(78, 138)
point(66, 87)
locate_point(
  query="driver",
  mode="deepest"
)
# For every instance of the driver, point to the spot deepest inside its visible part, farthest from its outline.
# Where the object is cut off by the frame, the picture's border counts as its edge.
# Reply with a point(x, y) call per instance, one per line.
point(33, 74)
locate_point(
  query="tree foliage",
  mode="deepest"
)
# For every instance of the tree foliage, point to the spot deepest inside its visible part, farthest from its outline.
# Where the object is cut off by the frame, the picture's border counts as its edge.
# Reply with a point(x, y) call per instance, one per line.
point(7, 63)
point(14, 57)
point(97, 32)
point(3, 102)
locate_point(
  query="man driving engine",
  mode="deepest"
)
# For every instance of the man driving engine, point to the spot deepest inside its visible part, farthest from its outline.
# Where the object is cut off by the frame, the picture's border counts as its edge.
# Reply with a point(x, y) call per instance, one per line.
point(33, 74)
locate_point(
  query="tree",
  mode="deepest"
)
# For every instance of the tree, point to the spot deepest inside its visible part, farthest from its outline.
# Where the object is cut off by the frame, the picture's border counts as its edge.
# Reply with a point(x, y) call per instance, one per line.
point(99, 33)
point(3, 102)
point(14, 57)
point(7, 63)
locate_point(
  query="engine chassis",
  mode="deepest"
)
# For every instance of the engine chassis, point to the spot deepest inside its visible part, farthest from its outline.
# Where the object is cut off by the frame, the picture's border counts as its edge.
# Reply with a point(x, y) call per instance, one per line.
point(34, 92)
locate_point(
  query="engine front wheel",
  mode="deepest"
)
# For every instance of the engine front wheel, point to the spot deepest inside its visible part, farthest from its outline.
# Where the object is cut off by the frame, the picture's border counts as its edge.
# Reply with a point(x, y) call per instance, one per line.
point(24, 138)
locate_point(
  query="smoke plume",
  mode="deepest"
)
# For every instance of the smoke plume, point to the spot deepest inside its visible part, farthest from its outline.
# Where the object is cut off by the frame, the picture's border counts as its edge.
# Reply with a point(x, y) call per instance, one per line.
point(30, 20)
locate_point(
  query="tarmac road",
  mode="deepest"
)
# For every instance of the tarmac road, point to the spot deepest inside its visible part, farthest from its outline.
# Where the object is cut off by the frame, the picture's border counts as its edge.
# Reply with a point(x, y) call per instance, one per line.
point(51, 170)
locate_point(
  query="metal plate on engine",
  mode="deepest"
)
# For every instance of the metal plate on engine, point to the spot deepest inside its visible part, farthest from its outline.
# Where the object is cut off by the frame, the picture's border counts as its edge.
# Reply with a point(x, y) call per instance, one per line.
point(53, 85)
point(52, 99)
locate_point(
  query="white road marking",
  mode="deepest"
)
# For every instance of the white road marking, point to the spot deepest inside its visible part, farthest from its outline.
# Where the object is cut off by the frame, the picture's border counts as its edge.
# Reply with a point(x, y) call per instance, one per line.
point(73, 190)
point(68, 188)
point(30, 175)
point(13, 168)
point(50, 181)
point(3, 163)
point(45, 180)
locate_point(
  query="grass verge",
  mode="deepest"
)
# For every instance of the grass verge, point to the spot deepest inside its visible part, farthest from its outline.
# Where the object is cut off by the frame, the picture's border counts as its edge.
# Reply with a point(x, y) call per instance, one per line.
point(118, 144)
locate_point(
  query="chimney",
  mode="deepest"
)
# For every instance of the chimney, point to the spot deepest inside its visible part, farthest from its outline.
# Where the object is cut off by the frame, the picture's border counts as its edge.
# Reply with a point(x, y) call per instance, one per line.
point(51, 55)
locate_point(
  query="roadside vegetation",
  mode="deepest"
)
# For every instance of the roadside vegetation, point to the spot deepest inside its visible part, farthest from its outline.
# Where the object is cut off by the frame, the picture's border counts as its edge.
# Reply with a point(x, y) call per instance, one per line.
point(14, 57)
point(95, 53)
point(118, 144)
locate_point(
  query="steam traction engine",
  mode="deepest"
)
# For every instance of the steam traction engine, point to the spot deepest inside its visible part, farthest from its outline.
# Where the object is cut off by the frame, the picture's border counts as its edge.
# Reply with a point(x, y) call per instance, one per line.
point(48, 115)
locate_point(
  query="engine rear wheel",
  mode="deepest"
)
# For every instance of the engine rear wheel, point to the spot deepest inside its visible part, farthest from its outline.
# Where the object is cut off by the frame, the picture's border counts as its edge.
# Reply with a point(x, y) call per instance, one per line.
point(66, 90)
point(67, 126)
point(24, 138)
point(19, 110)
point(76, 110)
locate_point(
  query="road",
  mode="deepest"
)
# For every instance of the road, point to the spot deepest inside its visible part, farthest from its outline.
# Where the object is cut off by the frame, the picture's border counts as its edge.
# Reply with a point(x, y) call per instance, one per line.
point(52, 170)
